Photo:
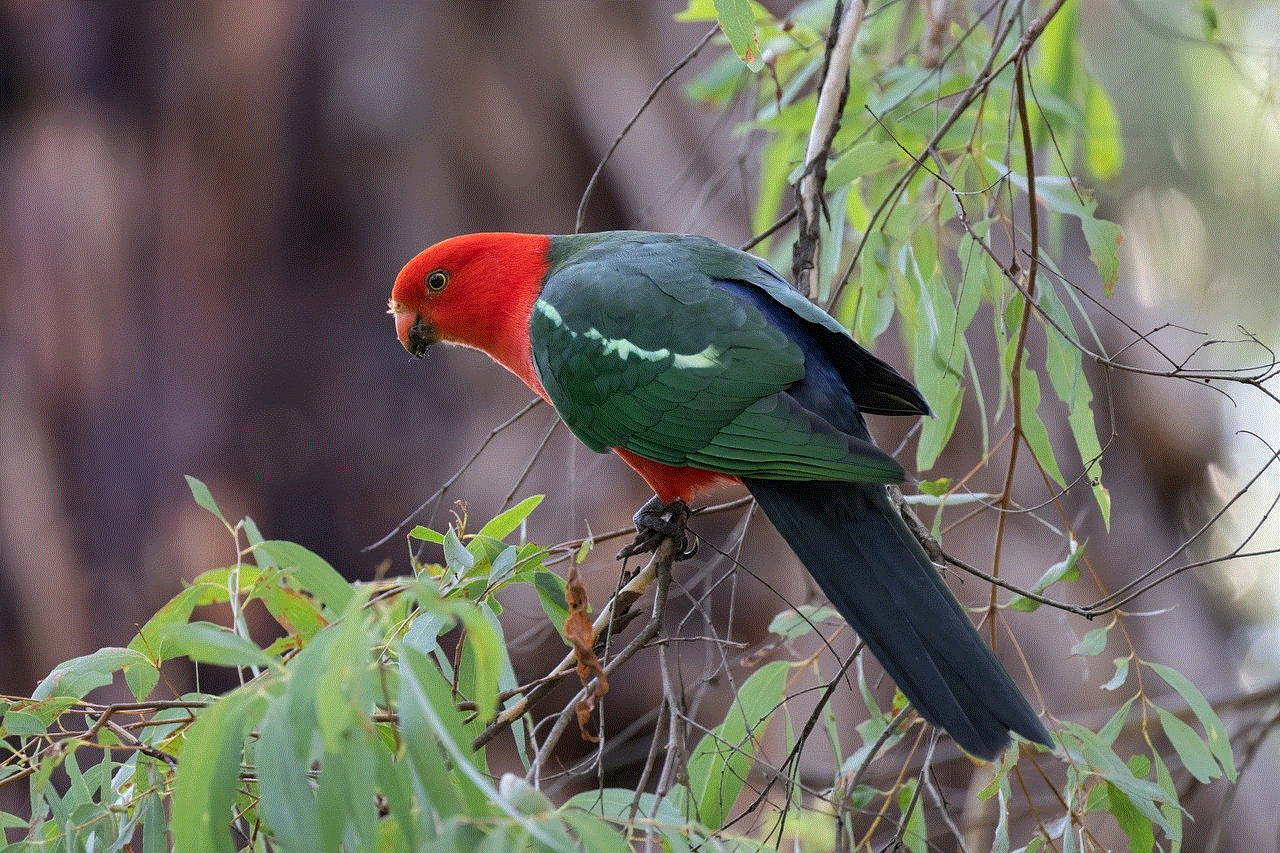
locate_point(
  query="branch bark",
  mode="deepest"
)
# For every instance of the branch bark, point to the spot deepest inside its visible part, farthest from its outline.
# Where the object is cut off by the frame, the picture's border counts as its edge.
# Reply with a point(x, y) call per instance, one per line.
point(826, 121)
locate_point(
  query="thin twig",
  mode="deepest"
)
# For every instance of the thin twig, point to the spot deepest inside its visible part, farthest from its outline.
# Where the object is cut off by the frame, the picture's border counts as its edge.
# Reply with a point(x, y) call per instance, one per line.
point(595, 176)
point(440, 492)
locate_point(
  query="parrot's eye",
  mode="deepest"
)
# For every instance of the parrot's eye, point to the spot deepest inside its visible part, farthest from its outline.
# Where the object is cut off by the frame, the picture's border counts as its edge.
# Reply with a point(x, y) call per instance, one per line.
point(436, 280)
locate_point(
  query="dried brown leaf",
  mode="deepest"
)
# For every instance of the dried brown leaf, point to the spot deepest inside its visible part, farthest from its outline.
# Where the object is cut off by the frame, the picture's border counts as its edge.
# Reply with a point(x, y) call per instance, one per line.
point(582, 635)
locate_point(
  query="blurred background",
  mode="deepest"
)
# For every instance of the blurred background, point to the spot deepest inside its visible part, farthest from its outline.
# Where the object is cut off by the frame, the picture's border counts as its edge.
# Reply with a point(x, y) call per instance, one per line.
point(203, 206)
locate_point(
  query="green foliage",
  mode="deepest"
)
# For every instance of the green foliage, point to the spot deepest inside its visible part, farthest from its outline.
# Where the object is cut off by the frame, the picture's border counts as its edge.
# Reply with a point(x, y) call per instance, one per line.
point(354, 728)
point(349, 731)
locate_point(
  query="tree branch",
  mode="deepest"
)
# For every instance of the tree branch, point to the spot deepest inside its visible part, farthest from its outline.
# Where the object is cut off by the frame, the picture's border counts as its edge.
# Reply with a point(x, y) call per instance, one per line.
point(826, 121)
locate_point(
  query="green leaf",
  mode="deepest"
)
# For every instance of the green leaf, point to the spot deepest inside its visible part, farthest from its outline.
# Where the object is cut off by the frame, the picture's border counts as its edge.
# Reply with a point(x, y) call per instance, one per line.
point(801, 621)
point(551, 595)
point(1216, 734)
point(865, 157)
point(1195, 755)
point(485, 650)
point(738, 22)
point(1101, 759)
point(76, 677)
point(283, 757)
point(915, 837)
point(718, 767)
point(940, 351)
point(207, 588)
point(426, 534)
point(456, 556)
point(502, 567)
point(1171, 809)
point(208, 774)
point(1111, 730)
point(1065, 196)
point(1135, 825)
point(204, 498)
point(1121, 674)
point(1103, 145)
point(1064, 363)
point(204, 642)
point(1065, 570)
point(1092, 643)
point(341, 681)
point(23, 723)
point(523, 797)
point(617, 803)
point(1033, 428)
point(298, 614)
point(597, 836)
point(502, 524)
point(427, 715)
point(311, 573)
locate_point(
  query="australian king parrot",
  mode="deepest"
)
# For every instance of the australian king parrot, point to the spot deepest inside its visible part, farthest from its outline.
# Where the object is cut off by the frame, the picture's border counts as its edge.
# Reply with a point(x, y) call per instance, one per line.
point(700, 365)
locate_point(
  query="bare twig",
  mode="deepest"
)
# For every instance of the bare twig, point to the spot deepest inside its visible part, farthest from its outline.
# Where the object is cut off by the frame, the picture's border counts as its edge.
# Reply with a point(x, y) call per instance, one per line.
point(440, 492)
point(595, 176)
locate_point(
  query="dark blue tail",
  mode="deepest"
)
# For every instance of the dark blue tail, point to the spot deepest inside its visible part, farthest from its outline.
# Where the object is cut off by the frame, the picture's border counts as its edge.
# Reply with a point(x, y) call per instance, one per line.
point(875, 573)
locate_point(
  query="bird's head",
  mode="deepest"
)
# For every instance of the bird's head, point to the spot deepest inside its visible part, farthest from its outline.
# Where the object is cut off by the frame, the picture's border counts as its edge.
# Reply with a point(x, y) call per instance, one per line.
point(468, 290)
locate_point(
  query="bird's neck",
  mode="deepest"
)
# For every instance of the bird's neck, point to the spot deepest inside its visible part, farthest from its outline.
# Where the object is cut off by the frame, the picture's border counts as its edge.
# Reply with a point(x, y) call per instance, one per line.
point(503, 332)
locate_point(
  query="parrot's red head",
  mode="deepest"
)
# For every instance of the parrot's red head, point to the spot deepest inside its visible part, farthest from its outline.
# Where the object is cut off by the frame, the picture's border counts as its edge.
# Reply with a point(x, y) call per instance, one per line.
point(477, 290)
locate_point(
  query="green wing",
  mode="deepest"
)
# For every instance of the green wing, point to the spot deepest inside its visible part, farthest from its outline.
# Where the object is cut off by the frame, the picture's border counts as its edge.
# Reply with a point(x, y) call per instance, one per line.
point(638, 348)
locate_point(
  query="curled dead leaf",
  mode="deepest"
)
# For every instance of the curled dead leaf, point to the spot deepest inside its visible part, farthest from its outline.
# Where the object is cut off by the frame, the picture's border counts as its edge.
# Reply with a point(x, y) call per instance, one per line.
point(582, 635)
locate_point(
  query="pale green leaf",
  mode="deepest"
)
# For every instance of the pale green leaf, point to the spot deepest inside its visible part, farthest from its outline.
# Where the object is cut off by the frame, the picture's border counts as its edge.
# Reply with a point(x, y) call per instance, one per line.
point(426, 534)
point(1101, 759)
point(1103, 145)
point(738, 22)
point(428, 715)
point(456, 556)
point(1216, 734)
point(204, 642)
point(800, 621)
point(284, 755)
point(551, 595)
point(208, 776)
point(1193, 751)
point(1064, 570)
point(1092, 643)
point(502, 524)
point(1111, 730)
point(915, 836)
point(1121, 674)
point(1033, 429)
point(204, 498)
point(311, 573)
point(22, 723)
point(76, 677)
point(719, 765)
point(1135, 825)
point(502, 567)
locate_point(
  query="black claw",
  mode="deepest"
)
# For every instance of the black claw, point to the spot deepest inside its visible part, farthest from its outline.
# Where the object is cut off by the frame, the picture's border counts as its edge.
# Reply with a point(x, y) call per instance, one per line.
point(657, 521)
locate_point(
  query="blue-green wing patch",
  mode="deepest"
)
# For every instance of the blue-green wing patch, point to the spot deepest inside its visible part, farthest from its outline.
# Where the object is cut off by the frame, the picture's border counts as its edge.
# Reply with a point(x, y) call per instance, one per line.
point(639, 349)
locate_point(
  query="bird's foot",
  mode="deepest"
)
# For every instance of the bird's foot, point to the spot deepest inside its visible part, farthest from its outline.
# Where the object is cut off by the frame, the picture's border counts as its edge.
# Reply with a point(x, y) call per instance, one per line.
point(657, 521)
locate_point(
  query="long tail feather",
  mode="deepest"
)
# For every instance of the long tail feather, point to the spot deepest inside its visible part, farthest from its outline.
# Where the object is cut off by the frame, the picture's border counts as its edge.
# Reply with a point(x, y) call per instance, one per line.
point(875, 573)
